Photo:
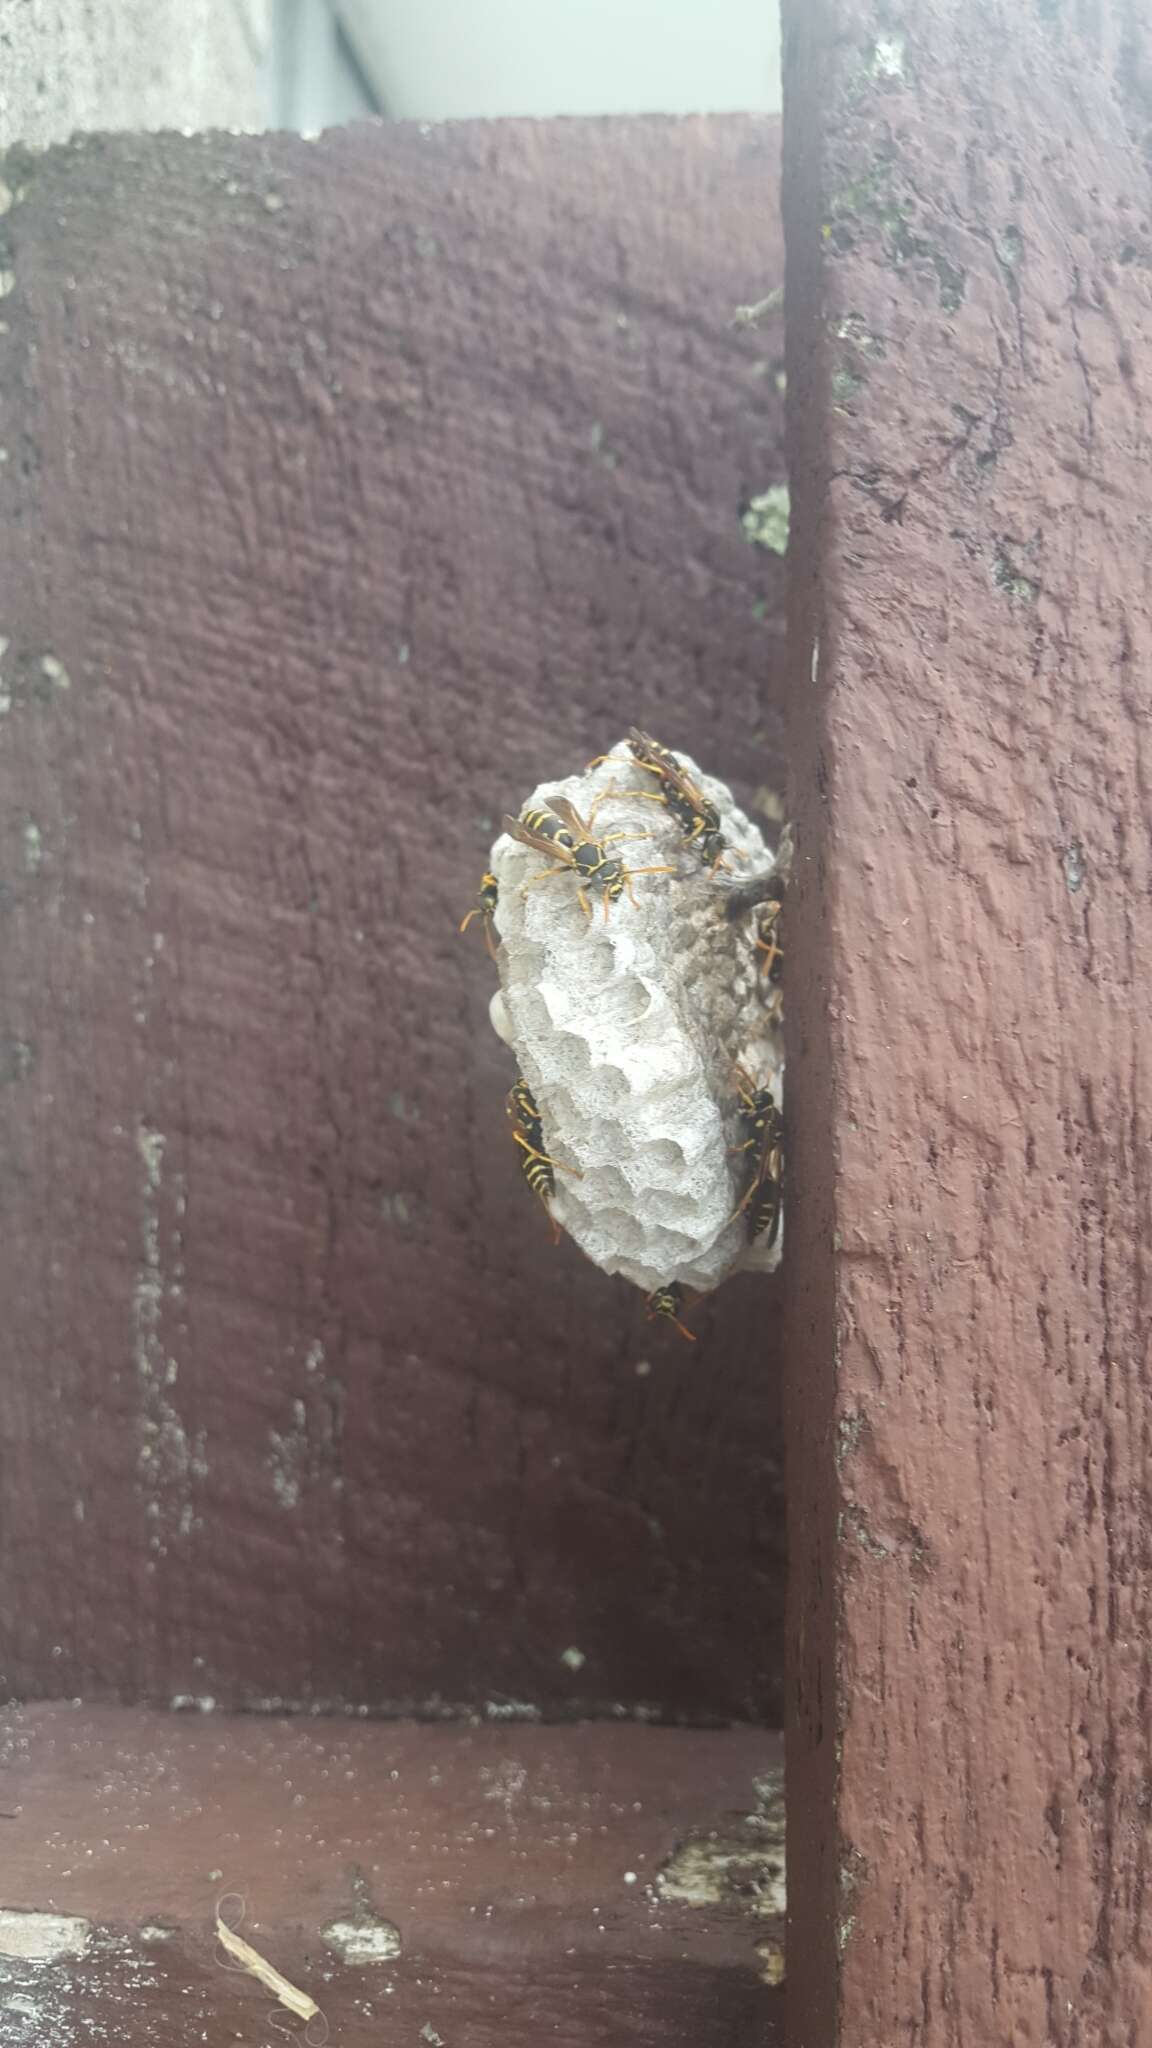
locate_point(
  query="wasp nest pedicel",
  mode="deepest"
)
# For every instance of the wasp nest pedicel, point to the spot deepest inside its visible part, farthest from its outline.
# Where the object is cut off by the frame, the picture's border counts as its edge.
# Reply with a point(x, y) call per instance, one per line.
point(649, 1037)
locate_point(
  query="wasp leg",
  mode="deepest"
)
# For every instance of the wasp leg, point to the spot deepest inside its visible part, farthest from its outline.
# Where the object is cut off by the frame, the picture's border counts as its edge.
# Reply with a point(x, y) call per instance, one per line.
point(651, 796)
point(564, 868)
point(530, 1149)
point(614, 838)
point(753, 1188)
point(661, 1316)
point(630, 872)
point(721, 860)
point(762, 1175)
point(477, 911)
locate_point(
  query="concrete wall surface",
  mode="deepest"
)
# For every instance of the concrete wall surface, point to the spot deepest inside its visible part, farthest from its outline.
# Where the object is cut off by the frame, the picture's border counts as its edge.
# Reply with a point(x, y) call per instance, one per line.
point(94, 64)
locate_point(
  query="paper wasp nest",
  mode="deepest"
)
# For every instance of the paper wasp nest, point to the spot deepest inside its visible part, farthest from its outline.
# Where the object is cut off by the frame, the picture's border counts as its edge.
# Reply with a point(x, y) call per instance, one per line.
point(627, 1030)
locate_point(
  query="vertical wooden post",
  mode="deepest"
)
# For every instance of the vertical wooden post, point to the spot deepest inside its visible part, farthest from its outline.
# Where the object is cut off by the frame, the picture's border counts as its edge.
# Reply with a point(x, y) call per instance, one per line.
point(969, 231)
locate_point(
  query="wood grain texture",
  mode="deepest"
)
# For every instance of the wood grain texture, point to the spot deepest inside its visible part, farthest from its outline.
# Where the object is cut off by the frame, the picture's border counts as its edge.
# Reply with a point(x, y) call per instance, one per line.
point(353, 487)
point(967, 213)
point(497, 1856)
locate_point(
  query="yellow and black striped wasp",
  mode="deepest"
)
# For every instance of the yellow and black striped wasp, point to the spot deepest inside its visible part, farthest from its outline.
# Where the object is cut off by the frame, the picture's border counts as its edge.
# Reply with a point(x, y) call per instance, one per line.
point(561, 833)
point(487, 897)
point(538, 1168)
point(763, 1128)
point(667, 1302)
point(695, 813)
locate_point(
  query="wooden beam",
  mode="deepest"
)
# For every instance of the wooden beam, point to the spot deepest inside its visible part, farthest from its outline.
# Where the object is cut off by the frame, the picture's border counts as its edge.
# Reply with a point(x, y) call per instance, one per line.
point(421, 1884)
point(354, 487)
point(969, 254)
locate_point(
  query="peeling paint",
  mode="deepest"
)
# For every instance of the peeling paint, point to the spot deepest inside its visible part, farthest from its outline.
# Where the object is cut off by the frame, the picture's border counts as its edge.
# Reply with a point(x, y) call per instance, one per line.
point(17, 1059)
point(751, 316)
point(771, 1958)
point(287, 1461)
point(854, 329)
point(852, 1523)
point(167, 1460)
point(845, 384)
point(1011, 580)
point(849, 1430)
point(42, 1937)
point(1075, 866)
point(766, 519)
point(363, 1940)
point(887, 60)
point(740, 1865)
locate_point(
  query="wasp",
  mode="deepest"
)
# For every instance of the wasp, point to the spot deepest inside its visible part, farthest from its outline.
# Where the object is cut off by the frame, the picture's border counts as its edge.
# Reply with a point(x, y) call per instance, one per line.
point(695, 813)
point(763, 1128)
point(668, 1302)
point(487, 897)
point(562, 834)
point(538, 1168)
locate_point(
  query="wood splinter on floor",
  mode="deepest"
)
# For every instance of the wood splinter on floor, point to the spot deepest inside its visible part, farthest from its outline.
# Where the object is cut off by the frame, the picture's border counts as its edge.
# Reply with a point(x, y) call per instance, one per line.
point(249, 1959)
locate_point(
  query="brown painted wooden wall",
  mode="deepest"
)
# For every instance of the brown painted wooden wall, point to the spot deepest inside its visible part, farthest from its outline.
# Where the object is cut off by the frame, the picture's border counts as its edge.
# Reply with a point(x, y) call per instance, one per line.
point(352, 487)
point(969, 227)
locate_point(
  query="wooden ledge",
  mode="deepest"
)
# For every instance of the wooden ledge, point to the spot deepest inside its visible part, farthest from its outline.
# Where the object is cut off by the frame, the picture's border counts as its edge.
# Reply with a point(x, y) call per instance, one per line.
point(580, 1884)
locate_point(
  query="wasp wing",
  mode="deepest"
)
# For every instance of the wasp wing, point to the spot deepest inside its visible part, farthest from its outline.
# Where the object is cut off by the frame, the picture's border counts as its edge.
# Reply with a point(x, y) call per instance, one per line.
point(525, 836)
point(570, 816)
point(659, 761)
